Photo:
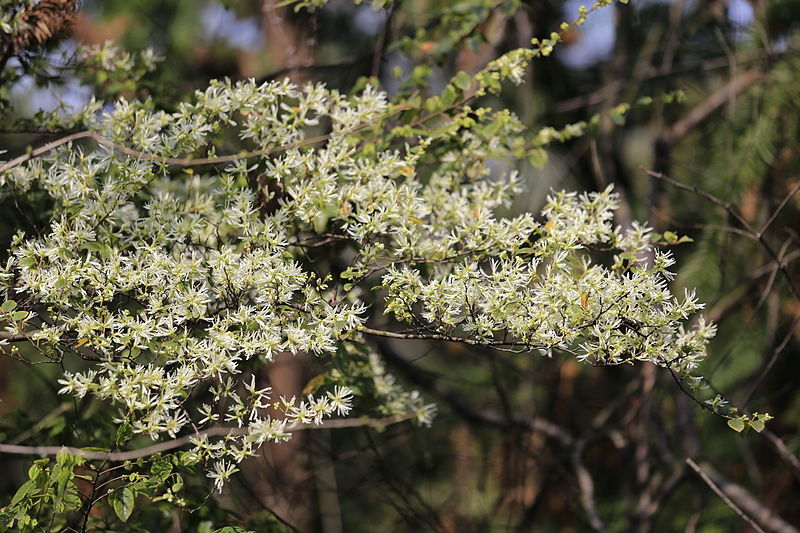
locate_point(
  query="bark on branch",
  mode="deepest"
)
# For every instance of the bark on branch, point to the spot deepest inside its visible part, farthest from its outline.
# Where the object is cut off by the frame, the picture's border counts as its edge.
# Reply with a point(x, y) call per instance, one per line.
point(376, 423)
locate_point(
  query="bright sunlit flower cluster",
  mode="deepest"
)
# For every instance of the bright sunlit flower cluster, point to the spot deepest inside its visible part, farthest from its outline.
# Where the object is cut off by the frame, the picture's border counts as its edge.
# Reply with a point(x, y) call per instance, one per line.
point(169, 282)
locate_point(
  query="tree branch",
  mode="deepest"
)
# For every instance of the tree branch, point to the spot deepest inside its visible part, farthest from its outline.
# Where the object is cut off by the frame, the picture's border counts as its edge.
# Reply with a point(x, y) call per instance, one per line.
point(14, 337)
point(785, 453)
point(375, 423)
point(586, 487)
point(716, 100)
point(756, 235)
point(464, 408)
point(756, 514)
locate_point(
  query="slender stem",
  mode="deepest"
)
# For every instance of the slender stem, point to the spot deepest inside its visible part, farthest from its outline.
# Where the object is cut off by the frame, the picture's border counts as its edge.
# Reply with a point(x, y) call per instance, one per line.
point(718, 491)
point(375, 423)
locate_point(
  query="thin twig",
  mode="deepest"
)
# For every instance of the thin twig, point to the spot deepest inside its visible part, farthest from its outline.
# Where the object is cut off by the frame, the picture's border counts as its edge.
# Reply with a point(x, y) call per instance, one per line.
point(748, 505)
point(736, 216)
point(716, 100)
point(15, 337)
point(783, 203)
point(785, 453)
point(375, 423)
point(713, 486)
point(463, 407)
point(436, 336)
point(383, 41)
point(586, 487)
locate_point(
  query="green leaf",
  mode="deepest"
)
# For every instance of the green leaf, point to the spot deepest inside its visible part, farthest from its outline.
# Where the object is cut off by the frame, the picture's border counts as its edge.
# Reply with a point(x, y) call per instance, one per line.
point(27, 260)
point(463, 81)
point(122, 502)
point(737, 424)
point(19, 315)
point(448, 97)
point(433, 104)
point(757, 424)
point(161, 469)
point(315, 383)
point(62, 476)
point(23, 491)
point(96, 449)
point(537, 157)
point(9, 305)
point(528, 250)
point(188, 459)
point(178, 484)
point(670, 237)
point(617, 118)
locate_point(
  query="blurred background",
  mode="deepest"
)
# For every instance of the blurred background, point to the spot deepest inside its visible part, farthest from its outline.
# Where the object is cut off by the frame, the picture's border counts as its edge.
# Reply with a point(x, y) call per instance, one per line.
point(521, 442)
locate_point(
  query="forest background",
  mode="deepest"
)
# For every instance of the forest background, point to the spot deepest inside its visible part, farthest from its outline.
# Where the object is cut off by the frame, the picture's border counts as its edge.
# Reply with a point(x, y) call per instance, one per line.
point(519, 443)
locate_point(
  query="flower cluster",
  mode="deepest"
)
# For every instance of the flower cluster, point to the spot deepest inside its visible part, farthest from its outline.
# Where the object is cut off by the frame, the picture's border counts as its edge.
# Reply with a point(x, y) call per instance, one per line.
point(169, 276)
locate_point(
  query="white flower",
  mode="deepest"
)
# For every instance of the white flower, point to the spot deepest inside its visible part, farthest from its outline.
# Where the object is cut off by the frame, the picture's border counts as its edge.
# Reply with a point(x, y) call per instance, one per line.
point(221, 472)
point(341, 400)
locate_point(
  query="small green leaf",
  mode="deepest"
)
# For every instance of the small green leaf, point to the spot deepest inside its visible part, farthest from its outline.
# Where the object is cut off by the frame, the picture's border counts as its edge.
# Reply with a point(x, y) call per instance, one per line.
point(432, 104)
point(537, 157)
point(62, 476)
point(757, 424)
point(19, 315)
point(736, 424)
point(463, 81)
point(161, 469)
point(315, 383)
point(617, 118)
point(23, 491)
point(9, 305)
point(122, 502)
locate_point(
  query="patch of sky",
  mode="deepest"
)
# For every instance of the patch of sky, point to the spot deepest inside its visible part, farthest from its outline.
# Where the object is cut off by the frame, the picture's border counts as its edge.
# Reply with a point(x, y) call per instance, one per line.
point(222, 24)
point(370, 21)
point(64, 98)
point(741, 15)
point(595, 38)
